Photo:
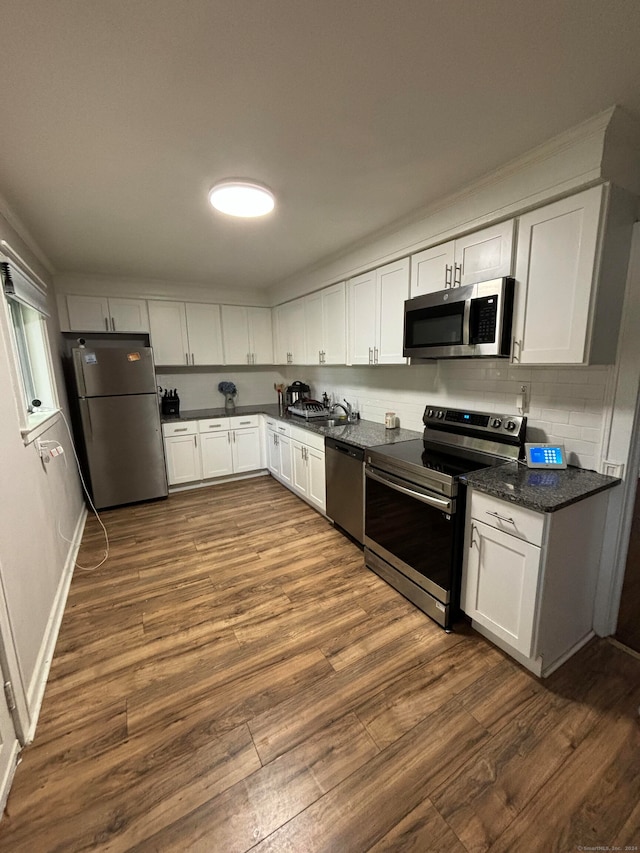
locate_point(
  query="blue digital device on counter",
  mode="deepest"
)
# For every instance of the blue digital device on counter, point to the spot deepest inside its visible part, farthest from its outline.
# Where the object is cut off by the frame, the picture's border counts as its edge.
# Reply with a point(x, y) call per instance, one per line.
point(545, 455)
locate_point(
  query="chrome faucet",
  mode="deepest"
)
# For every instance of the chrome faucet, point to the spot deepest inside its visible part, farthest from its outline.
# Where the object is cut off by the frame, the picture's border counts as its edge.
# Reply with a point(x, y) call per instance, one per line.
point(348, 410)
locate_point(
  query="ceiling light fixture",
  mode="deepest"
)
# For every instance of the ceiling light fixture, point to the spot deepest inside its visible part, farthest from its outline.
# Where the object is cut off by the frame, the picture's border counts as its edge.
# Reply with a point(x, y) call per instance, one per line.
point(241, 198)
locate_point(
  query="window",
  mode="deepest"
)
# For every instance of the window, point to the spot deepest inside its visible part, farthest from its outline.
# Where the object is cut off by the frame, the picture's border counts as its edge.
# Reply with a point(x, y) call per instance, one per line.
point(27, 312)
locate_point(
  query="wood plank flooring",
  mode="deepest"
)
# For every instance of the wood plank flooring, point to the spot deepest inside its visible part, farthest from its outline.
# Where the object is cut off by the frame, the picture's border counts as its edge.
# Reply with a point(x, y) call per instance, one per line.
point(234, 679)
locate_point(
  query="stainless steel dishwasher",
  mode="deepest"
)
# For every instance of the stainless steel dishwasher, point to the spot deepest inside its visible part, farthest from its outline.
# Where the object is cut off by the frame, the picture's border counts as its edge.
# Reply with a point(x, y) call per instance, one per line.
point(344, 465)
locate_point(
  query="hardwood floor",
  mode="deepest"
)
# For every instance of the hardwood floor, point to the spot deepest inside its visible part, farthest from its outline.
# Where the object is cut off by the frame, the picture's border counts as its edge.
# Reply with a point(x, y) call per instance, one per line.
point(234, 679)
point(628, 630)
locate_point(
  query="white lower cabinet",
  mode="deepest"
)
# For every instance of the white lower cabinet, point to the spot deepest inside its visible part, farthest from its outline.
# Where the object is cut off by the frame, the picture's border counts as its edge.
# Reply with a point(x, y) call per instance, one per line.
point(206, 449)
point(308, 474)
point(182, 452)
point(296, 458)
point(529, 578)
point(279, 450)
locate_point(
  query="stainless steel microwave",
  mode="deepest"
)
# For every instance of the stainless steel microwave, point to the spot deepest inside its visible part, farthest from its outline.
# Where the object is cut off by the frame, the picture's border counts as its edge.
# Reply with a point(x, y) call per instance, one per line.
point(473, 321)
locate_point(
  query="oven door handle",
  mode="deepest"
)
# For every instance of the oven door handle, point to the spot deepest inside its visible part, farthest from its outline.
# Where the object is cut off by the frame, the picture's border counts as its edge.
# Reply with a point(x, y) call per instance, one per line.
point(438, 503)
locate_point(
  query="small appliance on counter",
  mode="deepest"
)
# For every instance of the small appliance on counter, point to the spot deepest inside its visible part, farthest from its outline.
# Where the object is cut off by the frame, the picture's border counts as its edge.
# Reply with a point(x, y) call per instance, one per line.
point(295, 393)
point(170, 403)
point(309, 409)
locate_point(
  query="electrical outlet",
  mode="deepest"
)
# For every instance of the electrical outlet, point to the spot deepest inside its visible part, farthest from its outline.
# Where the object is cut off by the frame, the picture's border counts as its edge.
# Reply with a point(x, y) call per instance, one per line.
point(524, 397)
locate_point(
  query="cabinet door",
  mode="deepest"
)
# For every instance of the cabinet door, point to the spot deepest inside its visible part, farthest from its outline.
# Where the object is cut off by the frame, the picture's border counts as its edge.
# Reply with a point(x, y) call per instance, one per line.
point(168, 327)
point(555, 271)
point(128, 315)
point(284, 443)
point(88, 314)
point(280, 334)
point(432, 269)
point(314, 326)
point(362, 318)
point(500, 584)
point(205, 333)
point(298, 468)
point(484, 254)
point(273, 452)
point(235, 335)
point(334, 324)
point(183, 459)
point(245, 447)
point(260, 335)
point(316, 488)
point(297, 331)
point(215, 449)
point(392, 292)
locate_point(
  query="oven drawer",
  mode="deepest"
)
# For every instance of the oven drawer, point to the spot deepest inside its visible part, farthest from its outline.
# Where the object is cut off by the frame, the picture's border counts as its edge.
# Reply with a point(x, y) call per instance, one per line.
point(516, 520)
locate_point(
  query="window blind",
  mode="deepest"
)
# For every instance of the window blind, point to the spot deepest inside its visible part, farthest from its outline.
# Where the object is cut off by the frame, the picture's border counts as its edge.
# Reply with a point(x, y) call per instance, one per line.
point(18, 286)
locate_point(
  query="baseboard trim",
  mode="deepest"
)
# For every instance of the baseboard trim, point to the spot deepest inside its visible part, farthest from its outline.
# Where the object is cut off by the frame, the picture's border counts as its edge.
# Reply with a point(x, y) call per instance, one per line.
point(35, 693)
point(215, 481)
point(7, 781)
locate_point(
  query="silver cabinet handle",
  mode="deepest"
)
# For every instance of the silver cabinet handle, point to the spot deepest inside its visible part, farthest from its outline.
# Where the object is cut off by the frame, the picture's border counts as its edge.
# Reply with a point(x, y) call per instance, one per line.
point(245, 423)
point(195, 439)
point(181, 429)
point(186, 357)
point(518, 344)
point(193, 361)
point(501, 517)
point(457, 276)
point(276, 439)
point(215, 426)
point(370, 355)
point(448, 275)
point(375, 355)
point(113, 324)
point(471, 541)
point(106, 324)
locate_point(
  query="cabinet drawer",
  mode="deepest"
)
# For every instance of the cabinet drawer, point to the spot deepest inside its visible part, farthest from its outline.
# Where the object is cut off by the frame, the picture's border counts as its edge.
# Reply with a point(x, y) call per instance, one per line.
point(214, 425)
point(510, 518)
point(240, 422)
point(283, 429)
point(305, 436)
point(180, 428)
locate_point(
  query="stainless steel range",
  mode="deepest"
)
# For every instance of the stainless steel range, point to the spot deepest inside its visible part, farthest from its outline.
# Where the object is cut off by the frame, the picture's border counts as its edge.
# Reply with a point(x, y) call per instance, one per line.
point(414, 502)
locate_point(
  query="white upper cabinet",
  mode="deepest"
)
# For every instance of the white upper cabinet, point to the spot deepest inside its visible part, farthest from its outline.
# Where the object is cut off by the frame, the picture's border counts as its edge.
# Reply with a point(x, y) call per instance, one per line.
point(99, 314)
point(325, 326)
point(561, 314)
point(204, 332)
point(248, 338)
point(376, 314)
point(289, 321)
point(185, 334)
point(479, 256)
point(168, 325)
point(485, 254)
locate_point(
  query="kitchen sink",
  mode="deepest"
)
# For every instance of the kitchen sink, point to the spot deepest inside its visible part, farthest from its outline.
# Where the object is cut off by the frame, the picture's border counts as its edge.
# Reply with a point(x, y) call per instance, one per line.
point(330, 422)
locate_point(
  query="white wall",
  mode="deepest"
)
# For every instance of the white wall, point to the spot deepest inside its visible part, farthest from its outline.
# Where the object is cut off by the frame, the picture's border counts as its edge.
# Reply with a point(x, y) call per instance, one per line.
point(198, 387)
point(40, 509)
point(566, 405)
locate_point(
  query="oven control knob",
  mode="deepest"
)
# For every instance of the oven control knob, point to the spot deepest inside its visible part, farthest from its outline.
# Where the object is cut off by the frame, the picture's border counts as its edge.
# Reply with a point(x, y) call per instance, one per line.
point(440, 414)
point(496, 422)
point(510, 425)
point(429, 413)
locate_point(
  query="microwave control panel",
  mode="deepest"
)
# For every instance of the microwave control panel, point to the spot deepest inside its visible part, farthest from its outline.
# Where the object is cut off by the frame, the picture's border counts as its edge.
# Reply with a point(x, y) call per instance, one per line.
point(483, 319)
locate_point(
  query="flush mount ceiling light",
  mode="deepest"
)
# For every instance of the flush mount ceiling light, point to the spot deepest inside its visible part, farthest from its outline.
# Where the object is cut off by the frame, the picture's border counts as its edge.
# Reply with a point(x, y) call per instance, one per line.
point(241, 198)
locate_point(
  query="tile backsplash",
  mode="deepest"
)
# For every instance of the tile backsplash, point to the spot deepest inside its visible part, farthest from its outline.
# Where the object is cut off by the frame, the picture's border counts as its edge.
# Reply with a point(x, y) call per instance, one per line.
point(565, 404)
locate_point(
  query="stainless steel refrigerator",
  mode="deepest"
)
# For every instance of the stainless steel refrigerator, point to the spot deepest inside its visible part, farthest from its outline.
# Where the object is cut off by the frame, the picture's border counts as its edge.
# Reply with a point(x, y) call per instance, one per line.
point(119, 418)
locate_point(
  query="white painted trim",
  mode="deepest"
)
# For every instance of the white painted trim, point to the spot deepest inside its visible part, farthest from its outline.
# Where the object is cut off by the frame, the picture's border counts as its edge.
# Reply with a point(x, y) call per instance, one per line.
point(6, 782)
point(35, 692)
point(623, 446)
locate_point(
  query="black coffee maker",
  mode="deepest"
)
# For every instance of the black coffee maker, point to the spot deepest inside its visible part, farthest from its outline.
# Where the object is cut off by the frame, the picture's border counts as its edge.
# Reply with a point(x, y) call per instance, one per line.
point(296, 392)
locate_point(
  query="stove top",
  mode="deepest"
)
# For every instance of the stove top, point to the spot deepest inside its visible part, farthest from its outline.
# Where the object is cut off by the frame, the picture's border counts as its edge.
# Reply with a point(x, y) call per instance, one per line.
point(455, 442)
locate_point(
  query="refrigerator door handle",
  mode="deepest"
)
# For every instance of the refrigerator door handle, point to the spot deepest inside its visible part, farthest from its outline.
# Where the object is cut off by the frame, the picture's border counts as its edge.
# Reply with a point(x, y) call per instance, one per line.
point(85, 413)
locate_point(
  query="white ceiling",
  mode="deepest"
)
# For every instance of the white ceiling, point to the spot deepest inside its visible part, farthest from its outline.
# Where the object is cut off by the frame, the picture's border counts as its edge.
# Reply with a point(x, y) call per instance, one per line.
point(119, 115)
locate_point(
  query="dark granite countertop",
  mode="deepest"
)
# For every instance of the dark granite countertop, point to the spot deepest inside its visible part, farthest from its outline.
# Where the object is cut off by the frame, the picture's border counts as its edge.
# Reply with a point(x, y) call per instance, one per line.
point(361, 433)
point(539, 489)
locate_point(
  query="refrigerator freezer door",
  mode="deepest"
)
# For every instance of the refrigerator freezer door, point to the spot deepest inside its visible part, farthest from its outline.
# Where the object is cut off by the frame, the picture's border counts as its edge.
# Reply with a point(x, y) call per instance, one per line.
point(125, 454)
point(106, 371)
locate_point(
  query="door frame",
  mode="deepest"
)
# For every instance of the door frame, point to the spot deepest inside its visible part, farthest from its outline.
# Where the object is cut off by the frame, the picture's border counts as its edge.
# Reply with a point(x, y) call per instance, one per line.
point(622, 445)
